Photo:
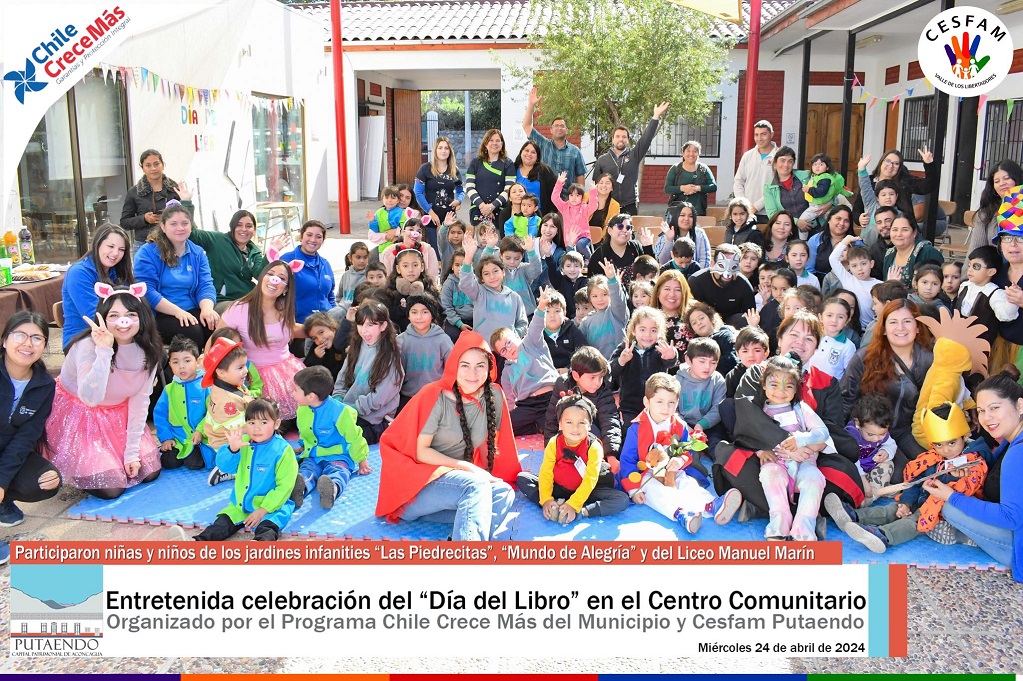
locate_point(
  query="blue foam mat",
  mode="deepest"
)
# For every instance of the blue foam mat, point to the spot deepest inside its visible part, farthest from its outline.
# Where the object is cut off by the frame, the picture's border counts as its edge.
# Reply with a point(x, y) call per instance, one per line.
point(182, 497)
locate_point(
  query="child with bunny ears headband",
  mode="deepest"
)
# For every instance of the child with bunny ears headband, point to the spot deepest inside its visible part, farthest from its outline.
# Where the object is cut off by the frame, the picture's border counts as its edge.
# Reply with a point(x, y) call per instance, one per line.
point(96, 434)
point(265, 319)
point(412, 238)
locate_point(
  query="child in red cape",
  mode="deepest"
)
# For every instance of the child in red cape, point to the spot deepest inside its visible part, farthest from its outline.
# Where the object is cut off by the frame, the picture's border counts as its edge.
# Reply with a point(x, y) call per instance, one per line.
point(428, 469)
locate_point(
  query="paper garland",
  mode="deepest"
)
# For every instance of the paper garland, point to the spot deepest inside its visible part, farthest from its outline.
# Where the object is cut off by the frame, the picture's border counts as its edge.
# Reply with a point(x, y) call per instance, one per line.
point(142, 78)
point(864, 95)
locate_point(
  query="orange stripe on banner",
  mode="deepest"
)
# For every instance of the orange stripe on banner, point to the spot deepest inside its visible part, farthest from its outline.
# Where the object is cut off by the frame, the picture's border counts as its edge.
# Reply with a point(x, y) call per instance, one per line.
point(898, 581)
point(427, 553)
point(291, 677)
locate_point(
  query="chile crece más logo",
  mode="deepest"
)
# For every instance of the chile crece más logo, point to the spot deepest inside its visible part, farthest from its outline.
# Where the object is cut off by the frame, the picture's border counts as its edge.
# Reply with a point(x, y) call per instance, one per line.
point(965, 51)
point(63, 52)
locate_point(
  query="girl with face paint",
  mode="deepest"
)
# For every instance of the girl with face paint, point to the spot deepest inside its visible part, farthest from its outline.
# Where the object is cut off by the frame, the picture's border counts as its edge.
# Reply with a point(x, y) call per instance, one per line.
point(96, 434)
point(265, 319)
point(412, 237)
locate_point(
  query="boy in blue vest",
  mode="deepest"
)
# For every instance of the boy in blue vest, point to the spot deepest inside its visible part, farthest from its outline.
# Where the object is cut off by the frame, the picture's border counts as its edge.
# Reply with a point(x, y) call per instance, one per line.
point(385, 224)
point(181, 409)
point(265, 470)
point(332, 442)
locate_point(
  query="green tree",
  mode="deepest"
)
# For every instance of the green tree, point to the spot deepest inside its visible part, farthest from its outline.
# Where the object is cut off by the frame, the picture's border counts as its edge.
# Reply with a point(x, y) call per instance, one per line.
point(604, 63)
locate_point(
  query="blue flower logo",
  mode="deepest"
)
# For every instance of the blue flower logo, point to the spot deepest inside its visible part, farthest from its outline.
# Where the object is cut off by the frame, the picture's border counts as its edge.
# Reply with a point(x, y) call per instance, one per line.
point(24, 81)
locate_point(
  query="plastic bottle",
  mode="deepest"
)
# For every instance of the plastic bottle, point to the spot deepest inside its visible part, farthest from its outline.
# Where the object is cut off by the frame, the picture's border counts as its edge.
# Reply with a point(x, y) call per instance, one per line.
point(11, 247)
point(28, 252)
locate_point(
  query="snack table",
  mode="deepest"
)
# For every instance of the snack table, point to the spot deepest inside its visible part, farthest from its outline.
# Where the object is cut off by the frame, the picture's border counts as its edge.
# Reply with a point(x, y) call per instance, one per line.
point(31, 295)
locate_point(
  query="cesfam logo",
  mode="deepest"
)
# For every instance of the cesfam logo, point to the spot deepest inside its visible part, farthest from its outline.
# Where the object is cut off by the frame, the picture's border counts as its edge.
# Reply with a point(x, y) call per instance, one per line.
point(965, 51)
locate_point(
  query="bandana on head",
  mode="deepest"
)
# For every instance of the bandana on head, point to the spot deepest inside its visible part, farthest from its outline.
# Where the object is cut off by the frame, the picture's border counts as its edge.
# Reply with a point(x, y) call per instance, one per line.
point(726, 266)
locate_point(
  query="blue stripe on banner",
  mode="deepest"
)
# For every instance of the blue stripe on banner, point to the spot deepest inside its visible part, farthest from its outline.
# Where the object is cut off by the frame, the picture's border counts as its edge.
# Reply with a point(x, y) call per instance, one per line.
point(877, 605)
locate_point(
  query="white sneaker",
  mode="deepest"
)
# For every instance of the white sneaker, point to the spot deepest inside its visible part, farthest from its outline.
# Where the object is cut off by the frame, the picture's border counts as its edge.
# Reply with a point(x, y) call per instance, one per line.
point(177, 533)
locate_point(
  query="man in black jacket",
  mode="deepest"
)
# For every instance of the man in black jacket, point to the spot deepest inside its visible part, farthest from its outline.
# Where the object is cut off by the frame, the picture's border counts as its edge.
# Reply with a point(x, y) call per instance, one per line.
point(622, 163)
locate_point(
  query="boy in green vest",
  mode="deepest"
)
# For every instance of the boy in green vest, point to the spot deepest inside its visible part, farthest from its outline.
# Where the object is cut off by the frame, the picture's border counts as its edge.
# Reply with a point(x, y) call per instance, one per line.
point(181, 409)
point(385, 224)
point(332, 442)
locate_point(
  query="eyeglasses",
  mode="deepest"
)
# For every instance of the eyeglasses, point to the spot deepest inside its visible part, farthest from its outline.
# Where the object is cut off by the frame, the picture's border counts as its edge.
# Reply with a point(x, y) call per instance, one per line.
point(19, 337)
point(889, 162)
point(624, 225)
point(1011, 239)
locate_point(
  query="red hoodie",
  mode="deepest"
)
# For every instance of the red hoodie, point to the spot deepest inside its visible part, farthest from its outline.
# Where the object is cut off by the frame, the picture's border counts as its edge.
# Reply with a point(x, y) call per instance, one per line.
point(401, 475)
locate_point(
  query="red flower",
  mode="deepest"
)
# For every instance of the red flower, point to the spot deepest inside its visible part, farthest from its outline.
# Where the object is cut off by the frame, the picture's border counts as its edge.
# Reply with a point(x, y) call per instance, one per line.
point(663, 438)
point(698, 434)
point(230, 408)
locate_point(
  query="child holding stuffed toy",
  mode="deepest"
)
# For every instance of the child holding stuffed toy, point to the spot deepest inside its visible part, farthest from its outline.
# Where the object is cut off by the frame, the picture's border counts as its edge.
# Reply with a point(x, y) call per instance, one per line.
point(408, 278)
point(655, 462)
point(574, 478)
point(872, 416)
point(917, 512)
point(791, 468)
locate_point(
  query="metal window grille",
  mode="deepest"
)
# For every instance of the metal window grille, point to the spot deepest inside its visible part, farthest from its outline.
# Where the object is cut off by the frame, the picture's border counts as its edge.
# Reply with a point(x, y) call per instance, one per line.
point(1003, 134)
point(672, 135)
point(918, 122)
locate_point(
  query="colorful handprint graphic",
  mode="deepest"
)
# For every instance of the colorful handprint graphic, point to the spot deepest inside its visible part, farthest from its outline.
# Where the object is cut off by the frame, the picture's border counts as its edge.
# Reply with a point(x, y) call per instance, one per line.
point(965, 63)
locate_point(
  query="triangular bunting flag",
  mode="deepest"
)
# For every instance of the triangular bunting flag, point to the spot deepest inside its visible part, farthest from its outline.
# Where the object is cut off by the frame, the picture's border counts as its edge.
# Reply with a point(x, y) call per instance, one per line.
point(191, 95)
point(927, 83)
point(873, 101)
point(1009, 104)
point(863, 96)
point(909, 92)
point(156, 80)
point(215, 93)
point(123, 72)
point(856, 79)
point(145, 75)
point(895, 100)
point(980, 103)
point(136, 72)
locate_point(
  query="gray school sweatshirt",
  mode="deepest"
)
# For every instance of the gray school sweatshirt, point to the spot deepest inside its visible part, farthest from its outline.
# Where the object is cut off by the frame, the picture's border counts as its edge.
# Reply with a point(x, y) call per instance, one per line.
point(605, 329)
point(492, 310)
point(373, 406)
point(422, 357)
point(534, 368)
point(456, 305)
point(699, 400)
point(522, 277)
point(346, 288)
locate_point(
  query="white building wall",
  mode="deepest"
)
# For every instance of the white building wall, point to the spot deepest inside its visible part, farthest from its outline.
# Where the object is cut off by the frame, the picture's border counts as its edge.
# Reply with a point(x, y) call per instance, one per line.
point(251, 47)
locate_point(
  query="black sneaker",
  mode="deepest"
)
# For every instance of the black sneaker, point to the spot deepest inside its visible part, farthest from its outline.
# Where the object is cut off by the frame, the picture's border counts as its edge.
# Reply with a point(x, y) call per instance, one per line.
point(328, 492)
point(10, 515)
point(298, 491)
point(218, 476)
point(868, 535)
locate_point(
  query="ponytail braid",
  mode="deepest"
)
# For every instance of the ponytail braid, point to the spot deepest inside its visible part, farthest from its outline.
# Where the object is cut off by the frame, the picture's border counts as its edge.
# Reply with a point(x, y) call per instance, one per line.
point(492, 424)
point(466, 433)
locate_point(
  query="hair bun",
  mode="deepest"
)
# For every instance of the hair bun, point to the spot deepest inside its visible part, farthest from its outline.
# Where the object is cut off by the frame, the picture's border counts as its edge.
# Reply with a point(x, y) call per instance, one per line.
point(1010, 370)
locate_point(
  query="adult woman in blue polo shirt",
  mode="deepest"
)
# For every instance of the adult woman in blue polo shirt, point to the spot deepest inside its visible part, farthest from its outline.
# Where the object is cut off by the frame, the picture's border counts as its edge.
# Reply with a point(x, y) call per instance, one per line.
point(107, 261)
point(314, 283)
point(177, 275)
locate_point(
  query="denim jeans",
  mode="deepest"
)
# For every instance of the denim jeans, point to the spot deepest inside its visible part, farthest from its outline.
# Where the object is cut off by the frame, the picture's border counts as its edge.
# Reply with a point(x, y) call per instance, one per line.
point(311, 469)
point(995, 541)
point(474, 506)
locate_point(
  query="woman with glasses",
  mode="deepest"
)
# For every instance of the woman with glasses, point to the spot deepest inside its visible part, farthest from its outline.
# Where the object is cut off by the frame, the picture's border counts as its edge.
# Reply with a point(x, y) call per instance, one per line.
point(621, 249)
point(1003, 177)
point(892, 167)
point(26, 398)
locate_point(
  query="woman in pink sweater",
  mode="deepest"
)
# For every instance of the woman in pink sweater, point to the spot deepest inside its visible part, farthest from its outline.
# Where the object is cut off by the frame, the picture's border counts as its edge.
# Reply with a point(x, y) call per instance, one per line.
point(96, 434)
point(265, 319)
point(576, 214)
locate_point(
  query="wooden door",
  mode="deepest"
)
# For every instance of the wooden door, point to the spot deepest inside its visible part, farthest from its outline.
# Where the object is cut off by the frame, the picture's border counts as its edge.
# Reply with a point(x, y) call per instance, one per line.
point(824, 135)
point(891, 128)
point(408, 135)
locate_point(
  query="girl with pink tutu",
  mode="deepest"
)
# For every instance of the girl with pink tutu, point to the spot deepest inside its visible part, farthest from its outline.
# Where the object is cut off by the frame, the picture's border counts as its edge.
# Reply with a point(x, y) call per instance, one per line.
point(265, 319)
point(96, 434)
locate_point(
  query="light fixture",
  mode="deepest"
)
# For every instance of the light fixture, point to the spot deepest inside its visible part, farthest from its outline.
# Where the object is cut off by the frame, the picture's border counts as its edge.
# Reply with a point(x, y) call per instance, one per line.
point(870, 40)
point(1009, 7)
